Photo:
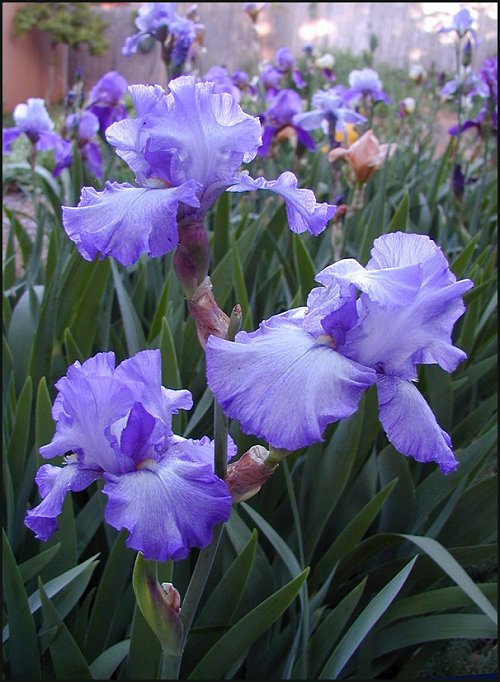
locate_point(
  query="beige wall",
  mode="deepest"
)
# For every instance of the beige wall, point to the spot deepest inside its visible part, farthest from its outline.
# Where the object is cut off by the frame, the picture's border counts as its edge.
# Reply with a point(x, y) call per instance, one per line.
point(407, 33)
point(26, 67)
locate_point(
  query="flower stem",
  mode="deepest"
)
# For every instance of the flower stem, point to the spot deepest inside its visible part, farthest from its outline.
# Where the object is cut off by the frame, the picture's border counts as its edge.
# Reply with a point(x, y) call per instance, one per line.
point(170, 665)
point(220, 444)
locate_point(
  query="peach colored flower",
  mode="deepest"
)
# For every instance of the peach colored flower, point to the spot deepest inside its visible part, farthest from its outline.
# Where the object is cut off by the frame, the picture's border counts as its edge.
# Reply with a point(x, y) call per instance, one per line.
point(365, 155)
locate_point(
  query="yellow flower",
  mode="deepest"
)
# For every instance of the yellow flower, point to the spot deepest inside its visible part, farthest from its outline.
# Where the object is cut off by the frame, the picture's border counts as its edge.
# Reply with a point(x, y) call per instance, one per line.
point(349, 136)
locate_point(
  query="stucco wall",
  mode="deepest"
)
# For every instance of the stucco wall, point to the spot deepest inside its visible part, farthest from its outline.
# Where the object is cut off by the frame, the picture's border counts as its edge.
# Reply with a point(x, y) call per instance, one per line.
point(26, 68)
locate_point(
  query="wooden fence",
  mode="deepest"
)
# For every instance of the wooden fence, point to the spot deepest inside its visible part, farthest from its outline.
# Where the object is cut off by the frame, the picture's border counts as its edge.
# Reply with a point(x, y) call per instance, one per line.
point(406, 33)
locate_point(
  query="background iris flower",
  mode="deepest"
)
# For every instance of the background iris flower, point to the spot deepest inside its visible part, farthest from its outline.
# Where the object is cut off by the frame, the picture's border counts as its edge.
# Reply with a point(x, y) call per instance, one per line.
point(328, 113)
point(115, 424)
point(308, 367)
point(365, 83)
point(84, 127)
point(33, 120)
point(105, 99)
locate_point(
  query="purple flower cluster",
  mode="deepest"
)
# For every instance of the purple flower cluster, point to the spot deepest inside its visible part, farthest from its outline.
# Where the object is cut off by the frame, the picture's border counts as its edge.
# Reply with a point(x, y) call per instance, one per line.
point(308, 367)
point(486, 86)
point(282, 73)
point(185, 148)
point(115, 424)
point(83, 128)
point(160, 20)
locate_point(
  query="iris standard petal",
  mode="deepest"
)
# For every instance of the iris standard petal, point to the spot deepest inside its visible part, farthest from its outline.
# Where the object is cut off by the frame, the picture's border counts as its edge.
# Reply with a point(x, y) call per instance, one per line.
point(143, 436)
point(86, 407)
point(130, 136)
point(389, 287)
point(303, 212)
point(124, 221)
point(394, 341)
point(410, 424)
point(283, 385)
point(142, 374)
point(53, 483)
point(207, 132)
point(167, 507)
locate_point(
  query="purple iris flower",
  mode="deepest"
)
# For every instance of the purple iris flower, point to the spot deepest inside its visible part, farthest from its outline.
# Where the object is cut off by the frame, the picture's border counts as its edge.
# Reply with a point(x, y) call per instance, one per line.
point(280, 115)
point(105, 99)
point(270, 78)
point(160, 21)
point(365, 83)
point(184, 32)
point(284, 60)
point(241, 79)
point(466, 84)
point(223, 81)
point(115, 424)
point(486, 86)
point(185, 149)
point(153, 19)
point(32, 119)
point(461, 23)
point(328, 108)
point(308, 367)
point(84, 128)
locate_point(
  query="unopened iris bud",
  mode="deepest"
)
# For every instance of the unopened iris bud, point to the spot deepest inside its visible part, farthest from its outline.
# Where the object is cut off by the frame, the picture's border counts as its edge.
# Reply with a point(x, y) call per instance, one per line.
point(159, 604)
point(246, 477)
point(467, 54)
point(407, 106)
point(234, 322)
point(458, 182)
point(417, 73)
point(326, 61)
point(173, 596)
point(208, 317)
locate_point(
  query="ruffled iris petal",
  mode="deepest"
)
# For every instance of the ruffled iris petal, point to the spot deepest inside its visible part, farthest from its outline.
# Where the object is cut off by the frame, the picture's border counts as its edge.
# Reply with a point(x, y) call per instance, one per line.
point(167, 507)
point(201, 451)
point(303, 213)
point(389, 287)
point(130, 135)
point(205, 135)
point(86, 407)
point(53, 483)
point(410, 424)
point(124, 221)
point(394, 341)
point(142, 374)
point(283, 385)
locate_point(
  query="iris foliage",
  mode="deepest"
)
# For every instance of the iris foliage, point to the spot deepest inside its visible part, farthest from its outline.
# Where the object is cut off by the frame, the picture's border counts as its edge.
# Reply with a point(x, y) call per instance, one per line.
point(352, 561)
